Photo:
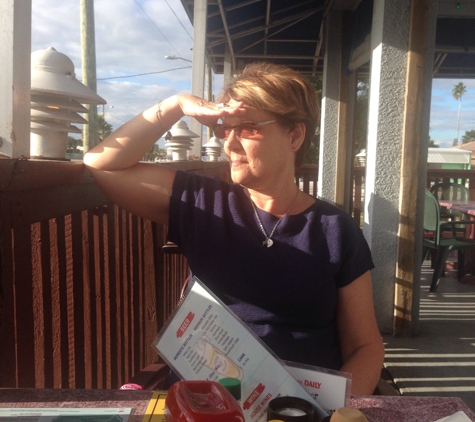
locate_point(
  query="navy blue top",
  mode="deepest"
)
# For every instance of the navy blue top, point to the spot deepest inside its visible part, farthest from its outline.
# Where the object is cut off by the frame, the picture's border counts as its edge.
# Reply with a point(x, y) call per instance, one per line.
point(287, 294)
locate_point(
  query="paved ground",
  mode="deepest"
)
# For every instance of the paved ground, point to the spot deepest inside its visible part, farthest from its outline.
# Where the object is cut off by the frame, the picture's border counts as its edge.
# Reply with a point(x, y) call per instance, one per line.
point(440, 360)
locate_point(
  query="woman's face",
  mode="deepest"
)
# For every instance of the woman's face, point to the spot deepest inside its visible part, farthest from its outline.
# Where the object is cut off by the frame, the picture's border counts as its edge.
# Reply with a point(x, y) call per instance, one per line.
point(260, 159)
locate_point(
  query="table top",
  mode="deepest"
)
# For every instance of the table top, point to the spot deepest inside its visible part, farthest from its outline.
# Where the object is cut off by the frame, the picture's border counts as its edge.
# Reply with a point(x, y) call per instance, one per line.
point(467, 207)
point(376, 408)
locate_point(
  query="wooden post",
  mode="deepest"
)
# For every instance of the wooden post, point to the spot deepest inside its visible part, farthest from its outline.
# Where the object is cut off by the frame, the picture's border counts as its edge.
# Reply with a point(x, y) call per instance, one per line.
point(88, 54)
point(410, 183)
point(15, 78)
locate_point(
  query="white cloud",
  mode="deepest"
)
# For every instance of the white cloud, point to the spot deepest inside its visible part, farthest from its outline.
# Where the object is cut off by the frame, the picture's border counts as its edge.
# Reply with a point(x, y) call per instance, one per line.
point(128, 42)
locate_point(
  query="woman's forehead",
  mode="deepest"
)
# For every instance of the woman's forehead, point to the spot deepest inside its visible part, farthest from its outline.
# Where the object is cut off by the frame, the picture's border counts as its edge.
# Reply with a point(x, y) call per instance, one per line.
point(251, 115)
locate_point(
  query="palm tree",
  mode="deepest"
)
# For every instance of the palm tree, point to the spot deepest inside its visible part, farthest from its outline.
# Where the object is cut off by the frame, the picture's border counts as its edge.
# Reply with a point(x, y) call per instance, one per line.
point(458, 92)
point(105, 129)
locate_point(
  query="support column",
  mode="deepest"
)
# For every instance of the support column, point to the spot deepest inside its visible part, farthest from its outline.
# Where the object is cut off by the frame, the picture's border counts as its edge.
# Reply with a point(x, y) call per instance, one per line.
point(414, 166)
point(228, 65)
point(389, 45)
point(329, 128)
point(198, 68)
point(15, 78)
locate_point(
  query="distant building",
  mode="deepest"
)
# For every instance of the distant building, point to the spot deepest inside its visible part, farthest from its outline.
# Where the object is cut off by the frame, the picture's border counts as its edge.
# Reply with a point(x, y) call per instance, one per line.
point(449, 158)
point(469, 146)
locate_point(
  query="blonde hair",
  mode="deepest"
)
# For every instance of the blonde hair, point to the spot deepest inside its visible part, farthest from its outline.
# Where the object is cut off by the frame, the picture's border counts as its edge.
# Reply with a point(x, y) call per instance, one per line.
point(281, 91)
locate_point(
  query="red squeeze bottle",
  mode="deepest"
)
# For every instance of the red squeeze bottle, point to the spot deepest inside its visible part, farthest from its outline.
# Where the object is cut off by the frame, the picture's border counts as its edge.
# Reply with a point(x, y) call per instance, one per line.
point(201, 401)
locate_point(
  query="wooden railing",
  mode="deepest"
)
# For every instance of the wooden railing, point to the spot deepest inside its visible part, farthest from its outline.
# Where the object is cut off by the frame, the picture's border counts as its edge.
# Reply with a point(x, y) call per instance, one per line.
point(84, 285)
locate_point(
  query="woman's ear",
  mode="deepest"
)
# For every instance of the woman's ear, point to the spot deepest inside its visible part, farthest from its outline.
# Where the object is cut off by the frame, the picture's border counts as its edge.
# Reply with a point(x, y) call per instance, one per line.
point(297, 136)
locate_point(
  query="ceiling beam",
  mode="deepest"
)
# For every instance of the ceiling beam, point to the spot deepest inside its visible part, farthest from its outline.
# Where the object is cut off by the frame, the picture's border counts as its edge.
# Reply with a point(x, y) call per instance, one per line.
point(260, 28)
point(228, 36)
point(276, 32)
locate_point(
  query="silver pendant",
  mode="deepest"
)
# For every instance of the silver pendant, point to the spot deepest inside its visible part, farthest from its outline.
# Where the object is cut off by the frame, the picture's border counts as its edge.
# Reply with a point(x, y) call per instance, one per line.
point(268, 242)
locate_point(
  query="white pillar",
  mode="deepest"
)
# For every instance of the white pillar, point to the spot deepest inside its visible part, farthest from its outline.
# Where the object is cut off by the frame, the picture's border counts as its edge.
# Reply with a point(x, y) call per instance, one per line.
point(228, 65)
point(330, 107)
point(198, 68)
point(389, 44)
point(15, 78)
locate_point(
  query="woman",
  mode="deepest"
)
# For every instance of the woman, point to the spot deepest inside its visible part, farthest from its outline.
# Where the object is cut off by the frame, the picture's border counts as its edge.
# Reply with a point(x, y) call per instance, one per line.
point(295, 269)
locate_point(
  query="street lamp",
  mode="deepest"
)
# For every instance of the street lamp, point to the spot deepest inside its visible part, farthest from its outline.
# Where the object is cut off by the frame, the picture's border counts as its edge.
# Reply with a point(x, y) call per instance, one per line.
point(177, 58)
point(56, 99)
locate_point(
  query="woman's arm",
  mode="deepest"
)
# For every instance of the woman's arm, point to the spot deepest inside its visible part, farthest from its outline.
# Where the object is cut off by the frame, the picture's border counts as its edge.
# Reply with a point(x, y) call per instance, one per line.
point(361, 343)
point(142, 188)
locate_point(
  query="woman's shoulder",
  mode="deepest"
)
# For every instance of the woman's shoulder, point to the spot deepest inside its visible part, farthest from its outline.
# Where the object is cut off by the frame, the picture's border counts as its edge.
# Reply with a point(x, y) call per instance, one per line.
point(325, 209)
point(187, 183)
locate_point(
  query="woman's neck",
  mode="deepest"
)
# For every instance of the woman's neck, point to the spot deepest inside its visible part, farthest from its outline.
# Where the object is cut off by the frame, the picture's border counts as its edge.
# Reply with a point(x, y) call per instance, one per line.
point(277, 201)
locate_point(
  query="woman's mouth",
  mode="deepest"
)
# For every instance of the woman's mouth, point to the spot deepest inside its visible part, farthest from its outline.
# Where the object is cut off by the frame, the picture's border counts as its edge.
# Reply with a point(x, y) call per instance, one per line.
point(237, 163)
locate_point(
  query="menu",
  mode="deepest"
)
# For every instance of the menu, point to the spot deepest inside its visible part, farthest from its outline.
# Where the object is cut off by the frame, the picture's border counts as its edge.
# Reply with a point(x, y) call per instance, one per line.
point(204, 340)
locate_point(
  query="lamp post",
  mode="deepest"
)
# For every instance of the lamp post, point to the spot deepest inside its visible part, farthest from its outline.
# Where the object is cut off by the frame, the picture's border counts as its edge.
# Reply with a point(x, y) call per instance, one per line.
point(56, 99)
point(208, 77)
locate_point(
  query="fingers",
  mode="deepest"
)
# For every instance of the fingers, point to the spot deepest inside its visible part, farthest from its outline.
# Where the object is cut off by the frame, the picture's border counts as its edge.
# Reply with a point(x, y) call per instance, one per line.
point(221, 109)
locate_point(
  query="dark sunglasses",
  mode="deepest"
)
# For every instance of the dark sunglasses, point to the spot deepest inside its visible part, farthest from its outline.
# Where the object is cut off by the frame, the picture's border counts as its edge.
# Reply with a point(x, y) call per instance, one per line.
point(242, 130)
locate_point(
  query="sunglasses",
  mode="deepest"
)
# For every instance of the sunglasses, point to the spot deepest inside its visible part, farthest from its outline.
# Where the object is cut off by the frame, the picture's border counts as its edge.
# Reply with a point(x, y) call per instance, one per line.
point(242, 130)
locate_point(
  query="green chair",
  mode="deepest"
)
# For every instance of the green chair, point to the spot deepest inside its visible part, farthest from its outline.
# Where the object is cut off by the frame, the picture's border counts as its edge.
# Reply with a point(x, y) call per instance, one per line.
point(433, 227)
point(451, 192)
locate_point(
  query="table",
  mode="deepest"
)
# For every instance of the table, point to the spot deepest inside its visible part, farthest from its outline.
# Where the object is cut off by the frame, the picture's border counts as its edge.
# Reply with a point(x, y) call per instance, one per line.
point(376, 408)
point(467, 207)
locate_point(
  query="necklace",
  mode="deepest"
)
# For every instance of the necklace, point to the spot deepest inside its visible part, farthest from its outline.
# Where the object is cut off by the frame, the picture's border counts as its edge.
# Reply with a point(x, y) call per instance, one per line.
point(268, 241)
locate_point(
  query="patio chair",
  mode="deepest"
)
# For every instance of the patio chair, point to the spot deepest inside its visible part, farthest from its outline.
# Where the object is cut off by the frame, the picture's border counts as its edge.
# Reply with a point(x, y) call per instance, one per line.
point(451, 192)
point(434, 226)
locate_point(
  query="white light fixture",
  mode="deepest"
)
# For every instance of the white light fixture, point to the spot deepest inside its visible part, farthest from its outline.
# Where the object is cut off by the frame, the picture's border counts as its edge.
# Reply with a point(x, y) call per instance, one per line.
point(56, 98)
point(179, 140)
point(177, 58)
point(213, 148)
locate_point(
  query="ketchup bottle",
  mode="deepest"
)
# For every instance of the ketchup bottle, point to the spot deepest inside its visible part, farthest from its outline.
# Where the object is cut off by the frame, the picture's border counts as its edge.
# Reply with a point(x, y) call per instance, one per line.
point(201, 401)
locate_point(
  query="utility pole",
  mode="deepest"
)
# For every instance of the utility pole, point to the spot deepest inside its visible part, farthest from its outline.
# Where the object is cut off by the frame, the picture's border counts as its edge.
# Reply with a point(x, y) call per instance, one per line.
point(88, 55)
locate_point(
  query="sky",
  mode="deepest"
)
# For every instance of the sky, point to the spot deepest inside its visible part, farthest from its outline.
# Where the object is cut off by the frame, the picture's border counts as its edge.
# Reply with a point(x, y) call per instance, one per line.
point(444, 111)
point(134, 36)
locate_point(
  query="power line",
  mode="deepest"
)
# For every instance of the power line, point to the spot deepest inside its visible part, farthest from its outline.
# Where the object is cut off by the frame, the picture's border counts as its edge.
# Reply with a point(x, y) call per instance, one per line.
point(158, 29)
point(143, 74)
point(183, 26)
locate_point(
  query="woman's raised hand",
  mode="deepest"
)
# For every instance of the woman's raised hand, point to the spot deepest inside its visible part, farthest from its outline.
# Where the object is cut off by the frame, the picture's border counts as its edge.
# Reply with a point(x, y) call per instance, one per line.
point(206, 112)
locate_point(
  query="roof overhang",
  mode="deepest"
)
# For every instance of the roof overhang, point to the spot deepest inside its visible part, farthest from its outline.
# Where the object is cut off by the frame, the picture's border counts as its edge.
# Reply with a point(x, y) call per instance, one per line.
point(291, 33)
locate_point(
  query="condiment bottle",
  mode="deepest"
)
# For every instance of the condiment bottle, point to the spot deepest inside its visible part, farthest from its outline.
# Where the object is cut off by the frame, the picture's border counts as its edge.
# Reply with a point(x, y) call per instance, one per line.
point(290, 409)
point(233, 385)
point(201, 401)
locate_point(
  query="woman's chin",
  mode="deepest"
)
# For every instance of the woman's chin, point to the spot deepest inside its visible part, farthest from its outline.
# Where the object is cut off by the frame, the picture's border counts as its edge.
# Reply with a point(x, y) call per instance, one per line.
point(237, 176)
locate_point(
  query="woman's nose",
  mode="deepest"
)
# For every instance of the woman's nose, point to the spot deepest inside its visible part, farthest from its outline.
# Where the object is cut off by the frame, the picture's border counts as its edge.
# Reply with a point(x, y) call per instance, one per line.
point(233, 143)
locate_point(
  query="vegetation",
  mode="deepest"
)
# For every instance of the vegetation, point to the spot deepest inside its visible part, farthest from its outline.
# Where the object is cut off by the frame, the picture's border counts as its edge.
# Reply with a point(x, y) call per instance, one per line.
point(458, 92)
point(312, 155)
point(361, 117)
point(104, 128)
point(469, 136)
